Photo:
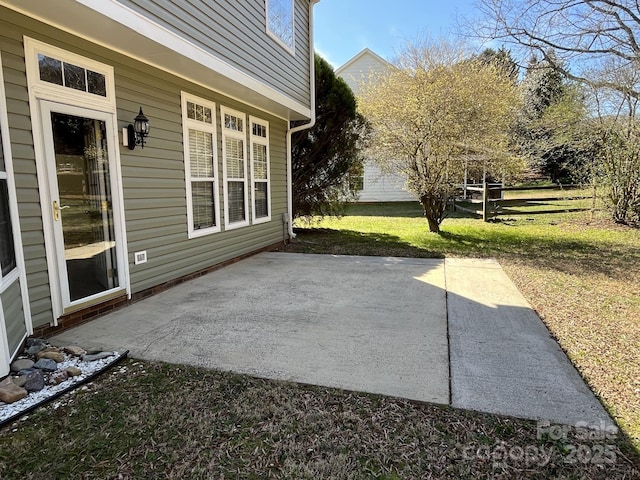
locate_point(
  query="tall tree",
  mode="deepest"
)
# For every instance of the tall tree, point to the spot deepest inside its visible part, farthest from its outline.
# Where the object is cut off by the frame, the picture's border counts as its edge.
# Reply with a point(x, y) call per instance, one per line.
point(617, 145)
point(546, 128)
point(437, 110)
point(324, 156)
point(502, 59)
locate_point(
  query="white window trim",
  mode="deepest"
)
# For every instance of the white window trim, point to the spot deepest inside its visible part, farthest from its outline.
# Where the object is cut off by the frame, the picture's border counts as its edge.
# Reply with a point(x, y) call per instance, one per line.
point(289, 48)
point(41, 89)
point(187, 124)
point(40, 92)
point(261, 141)
point(18, 273)
point(240, 136)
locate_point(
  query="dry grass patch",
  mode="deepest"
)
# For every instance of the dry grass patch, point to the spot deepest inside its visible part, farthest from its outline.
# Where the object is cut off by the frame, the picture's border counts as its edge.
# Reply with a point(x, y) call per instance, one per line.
point(166, 421)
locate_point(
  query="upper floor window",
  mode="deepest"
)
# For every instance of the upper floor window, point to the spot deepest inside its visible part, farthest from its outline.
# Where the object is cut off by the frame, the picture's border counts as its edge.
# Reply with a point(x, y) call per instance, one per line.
point(280, 21)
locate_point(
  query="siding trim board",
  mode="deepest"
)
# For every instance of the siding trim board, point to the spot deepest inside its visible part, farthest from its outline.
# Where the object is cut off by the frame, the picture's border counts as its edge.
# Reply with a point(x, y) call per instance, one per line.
point(124, 30)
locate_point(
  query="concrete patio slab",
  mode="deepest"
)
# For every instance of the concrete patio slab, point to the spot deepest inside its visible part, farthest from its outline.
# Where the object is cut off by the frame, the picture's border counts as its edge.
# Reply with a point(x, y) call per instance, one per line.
point(403, 327)
point(360, 323)
point(503, 359)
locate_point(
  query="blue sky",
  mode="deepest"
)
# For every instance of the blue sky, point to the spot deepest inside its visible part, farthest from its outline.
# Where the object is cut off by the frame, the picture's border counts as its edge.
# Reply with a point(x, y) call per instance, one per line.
point(344, 27)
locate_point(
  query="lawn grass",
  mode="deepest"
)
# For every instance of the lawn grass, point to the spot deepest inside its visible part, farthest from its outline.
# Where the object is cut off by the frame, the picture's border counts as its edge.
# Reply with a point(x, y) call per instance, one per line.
point(156, 420)
point(149, 420)
point(580, 274)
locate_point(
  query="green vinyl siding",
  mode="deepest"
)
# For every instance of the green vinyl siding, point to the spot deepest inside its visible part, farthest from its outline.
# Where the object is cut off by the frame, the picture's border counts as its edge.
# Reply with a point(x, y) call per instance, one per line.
point(24, 167)
point(155, 206)
point(153, 178)
point(13, 316)
point(236, 33)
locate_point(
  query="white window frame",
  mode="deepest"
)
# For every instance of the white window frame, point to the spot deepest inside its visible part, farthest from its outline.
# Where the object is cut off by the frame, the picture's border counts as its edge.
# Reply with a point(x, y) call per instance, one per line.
point(228, 133)
point(275, 35)
point(52, 91)
point(254, 139)
point(191, 124)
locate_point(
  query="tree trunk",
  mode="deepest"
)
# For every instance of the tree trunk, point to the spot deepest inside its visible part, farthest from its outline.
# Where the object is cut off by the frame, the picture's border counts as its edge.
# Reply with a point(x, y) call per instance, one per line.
point(434, 225)
point(433, 206)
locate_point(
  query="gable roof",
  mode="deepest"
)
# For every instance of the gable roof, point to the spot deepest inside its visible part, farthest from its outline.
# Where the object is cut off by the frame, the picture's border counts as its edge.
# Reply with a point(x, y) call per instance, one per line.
point(366, 52)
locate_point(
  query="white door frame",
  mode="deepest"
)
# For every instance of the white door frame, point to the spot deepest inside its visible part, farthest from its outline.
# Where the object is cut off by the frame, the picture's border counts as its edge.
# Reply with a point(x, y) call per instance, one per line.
point(46, 108)
point(43, 95)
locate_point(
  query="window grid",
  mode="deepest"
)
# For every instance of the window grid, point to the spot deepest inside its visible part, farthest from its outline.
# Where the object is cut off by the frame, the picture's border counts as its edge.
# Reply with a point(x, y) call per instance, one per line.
point(201, 169)
point(73, 76)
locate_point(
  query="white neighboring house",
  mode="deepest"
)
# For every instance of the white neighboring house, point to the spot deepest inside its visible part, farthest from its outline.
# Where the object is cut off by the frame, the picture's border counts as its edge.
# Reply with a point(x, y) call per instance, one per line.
point(376, 187)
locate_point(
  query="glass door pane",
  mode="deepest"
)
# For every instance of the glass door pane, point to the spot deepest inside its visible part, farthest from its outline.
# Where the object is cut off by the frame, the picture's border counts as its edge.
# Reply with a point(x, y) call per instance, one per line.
point(85, 206)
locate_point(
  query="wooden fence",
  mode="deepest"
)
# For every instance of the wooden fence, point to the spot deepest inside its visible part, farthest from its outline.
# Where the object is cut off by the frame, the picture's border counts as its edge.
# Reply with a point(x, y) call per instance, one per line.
point(491, 202)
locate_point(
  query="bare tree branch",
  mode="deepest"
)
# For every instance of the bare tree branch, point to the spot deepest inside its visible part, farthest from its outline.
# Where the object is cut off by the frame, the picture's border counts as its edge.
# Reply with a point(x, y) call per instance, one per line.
point(583, 33)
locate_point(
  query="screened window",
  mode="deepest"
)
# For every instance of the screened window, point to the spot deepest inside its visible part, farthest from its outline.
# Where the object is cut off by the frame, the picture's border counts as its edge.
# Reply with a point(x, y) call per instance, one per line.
point(201, 165)
point(280, 20)
point(234, 161)
point(260, 170)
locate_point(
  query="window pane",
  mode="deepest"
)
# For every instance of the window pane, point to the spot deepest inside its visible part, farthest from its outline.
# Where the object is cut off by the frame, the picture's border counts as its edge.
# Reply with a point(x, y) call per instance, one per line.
point(7, 252)
point(191, 110)
point(50, 69)
point(356, 183)
point(233, 123)
point(260, 199)
point(202, 197)
point(97, 83)
point(236, 202)
point(280, 21)
point(74, 77)
point(259, 161)
point(259, 130)
point(234, 151)
point(201, 153)
point(199, 113)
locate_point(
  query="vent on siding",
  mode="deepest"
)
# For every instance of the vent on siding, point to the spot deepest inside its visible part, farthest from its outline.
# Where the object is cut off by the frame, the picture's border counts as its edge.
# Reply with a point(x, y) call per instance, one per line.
point(140, 257)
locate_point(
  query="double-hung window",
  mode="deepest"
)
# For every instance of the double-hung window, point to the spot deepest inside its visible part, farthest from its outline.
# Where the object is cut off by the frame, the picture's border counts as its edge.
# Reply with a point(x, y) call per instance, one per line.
point(259, 136)
point(201, 165)
point(234, 164)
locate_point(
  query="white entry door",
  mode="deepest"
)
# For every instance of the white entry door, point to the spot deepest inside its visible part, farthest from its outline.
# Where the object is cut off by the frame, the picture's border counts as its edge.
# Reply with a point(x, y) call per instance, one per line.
point(80, 168)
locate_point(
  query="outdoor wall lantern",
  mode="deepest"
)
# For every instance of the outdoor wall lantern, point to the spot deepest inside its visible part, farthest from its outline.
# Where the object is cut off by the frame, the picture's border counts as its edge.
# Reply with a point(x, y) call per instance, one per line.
point(137, 132)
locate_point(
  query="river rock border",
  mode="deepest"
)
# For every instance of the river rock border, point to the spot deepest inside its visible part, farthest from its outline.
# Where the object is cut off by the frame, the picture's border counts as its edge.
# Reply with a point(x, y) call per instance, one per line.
point(43, 371)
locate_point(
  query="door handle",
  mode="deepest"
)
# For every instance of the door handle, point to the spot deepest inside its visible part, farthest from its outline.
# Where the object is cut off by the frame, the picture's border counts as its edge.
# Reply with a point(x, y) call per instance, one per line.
point(56, 210)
